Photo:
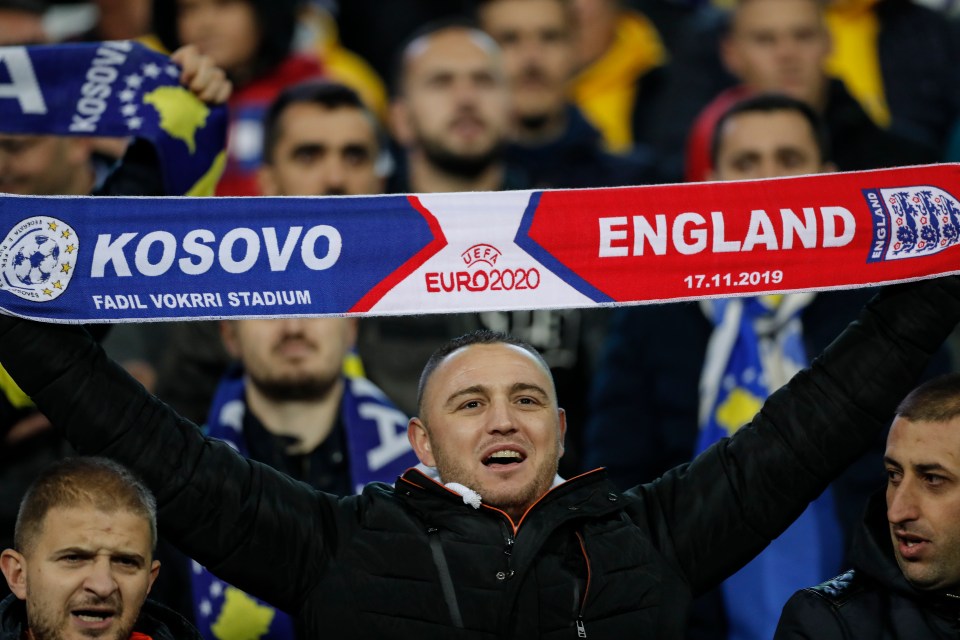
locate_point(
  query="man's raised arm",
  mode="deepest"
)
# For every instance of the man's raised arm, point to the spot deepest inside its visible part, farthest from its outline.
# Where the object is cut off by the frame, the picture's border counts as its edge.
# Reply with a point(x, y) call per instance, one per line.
point(724, 507)
point(239, 518)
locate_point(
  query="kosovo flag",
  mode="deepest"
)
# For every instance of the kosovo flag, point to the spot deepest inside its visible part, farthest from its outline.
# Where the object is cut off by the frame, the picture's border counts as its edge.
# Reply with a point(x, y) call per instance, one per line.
point(118, 89)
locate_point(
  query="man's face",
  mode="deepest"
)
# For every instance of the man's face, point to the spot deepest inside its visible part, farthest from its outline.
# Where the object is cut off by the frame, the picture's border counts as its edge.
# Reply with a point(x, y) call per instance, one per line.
point(767, 145)
point(44, 165)
point(291, 358)
point(538, 52)
point(923, 501)
point(455, 104)
point(779, 46)
point(225, 30)
point(322, 152)
point(86, 575)
point(491, 422)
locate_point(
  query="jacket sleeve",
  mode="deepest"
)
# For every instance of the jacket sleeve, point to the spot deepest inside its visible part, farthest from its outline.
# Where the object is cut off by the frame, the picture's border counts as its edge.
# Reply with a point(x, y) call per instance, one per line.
point(808, 616)
point(715, 514)
point(252, 526)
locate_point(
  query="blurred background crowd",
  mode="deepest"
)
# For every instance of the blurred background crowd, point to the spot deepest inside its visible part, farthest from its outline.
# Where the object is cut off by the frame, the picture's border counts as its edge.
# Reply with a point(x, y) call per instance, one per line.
point(398, 96)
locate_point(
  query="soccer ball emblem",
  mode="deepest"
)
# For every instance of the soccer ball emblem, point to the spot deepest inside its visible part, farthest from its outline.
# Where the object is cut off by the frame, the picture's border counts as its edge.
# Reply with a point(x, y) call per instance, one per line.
point(36, 259)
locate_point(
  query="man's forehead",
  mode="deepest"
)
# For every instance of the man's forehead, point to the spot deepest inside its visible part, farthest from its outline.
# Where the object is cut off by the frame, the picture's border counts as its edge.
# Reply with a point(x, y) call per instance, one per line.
point(926, 442)
point(782, 126)
point(83, 525)
point(764, 14)
point(297, 114)
point(494, 362)
point(450, 48)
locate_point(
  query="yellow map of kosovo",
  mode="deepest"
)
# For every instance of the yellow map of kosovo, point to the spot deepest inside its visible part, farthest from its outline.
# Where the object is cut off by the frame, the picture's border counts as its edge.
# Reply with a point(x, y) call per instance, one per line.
point(181, 113)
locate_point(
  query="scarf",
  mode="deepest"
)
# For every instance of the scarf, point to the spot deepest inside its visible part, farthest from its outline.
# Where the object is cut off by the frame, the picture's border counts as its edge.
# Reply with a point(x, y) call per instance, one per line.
point(756, 347)
point(118, 89)
point(377, 450)
point(134, 259)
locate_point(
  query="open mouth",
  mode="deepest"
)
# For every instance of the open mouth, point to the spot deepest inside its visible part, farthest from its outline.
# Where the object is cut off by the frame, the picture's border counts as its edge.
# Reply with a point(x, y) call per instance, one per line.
point(93, 617)
point(504, 457)
point(910, 546)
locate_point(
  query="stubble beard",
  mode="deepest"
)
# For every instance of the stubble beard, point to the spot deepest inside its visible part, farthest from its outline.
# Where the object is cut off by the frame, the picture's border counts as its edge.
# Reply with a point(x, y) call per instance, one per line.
point(41, 627)
point(295, 388)
point(514, 502)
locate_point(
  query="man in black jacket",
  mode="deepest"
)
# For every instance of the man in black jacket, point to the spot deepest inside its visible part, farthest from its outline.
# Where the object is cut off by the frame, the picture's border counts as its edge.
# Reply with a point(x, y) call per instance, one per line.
point(85, 558)
point(906, 577)
point(504, 549)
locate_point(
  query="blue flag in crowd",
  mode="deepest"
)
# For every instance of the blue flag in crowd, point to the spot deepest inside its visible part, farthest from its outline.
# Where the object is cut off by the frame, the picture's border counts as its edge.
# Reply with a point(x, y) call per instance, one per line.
point(115, 89)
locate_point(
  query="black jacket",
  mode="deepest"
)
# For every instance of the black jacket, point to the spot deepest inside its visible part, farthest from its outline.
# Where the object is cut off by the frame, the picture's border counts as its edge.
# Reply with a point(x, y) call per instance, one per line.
point(873, 600)
point(416, 562)
point(155, 621)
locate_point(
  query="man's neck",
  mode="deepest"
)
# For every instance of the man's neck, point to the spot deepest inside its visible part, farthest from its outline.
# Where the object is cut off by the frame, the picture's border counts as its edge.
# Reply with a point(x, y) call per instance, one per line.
point(307, 421)
point(426, 177)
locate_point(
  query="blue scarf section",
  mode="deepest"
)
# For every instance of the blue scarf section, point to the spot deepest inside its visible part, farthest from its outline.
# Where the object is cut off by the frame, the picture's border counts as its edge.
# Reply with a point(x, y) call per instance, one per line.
point(377, 450)
point(756, 346)
point(115, 89)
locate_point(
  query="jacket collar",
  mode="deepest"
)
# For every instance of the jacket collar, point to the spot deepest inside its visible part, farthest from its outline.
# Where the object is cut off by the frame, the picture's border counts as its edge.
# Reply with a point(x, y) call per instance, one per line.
point(872, 555)
point(590, 494)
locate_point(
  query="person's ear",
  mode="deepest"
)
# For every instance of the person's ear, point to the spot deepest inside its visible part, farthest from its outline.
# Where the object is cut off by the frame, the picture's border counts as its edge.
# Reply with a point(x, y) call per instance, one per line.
point(420, 441)
point(562, 415)
point(400, 123)
point(267, 181)
point(228, 334)
point(14, 567)
point(154, 572)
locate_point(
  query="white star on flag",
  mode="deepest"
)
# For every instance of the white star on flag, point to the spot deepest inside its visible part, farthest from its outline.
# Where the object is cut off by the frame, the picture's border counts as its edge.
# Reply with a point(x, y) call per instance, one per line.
point(134, 122)
point(134, 81)
point(216, 588)
point(151, 70)
point(205, 608)
point(129, 110)
point(127, 95)
point(172, 71)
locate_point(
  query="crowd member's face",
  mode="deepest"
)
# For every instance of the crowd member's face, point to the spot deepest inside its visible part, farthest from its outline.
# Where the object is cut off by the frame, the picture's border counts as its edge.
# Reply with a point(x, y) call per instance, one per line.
point(455, 102)
point(767, 145)
point(490, 421)
point(85, 576)
point(321, 152)
point(538, 55)
point(44, 165)
point(923, 501)
point(291, 358)
point(225, 30)
point(779, 46)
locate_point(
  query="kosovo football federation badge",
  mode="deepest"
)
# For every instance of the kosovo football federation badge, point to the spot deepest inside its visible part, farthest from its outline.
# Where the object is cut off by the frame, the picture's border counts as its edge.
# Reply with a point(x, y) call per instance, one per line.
point(37, 258)
point(910, 222)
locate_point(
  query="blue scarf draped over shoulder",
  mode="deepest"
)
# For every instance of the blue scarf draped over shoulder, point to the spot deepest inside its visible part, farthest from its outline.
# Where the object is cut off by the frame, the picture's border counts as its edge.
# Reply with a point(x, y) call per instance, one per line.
point(377, 451)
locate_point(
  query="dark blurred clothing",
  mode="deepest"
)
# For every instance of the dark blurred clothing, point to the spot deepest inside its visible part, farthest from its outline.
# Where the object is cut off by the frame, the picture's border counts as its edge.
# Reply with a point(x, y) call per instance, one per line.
point(577, 159)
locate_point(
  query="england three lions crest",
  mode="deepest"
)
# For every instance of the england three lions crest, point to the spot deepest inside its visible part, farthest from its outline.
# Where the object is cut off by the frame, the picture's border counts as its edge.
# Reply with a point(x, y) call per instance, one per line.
point(910, 222)
point(37, 258)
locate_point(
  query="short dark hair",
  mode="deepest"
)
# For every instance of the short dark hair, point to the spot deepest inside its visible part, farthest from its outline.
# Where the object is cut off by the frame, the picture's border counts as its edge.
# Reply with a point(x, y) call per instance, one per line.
point(323, 93)
point(771, 103)
point(87, 481)
point(936, 400)
point(480, 336)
